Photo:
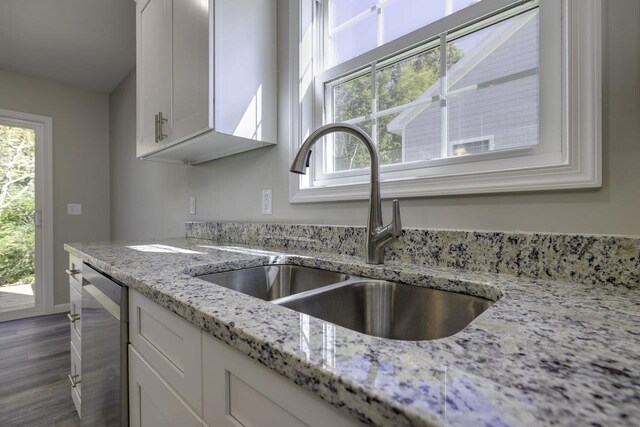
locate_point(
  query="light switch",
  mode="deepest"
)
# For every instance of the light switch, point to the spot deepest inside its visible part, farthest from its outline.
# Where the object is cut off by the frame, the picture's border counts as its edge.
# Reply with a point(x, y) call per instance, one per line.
point(74, 209)
point(192, 205)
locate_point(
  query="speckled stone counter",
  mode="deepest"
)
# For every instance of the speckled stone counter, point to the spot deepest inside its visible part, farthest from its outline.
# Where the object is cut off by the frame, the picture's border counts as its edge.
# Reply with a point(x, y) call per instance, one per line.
point(546, 353)
point(578, 258)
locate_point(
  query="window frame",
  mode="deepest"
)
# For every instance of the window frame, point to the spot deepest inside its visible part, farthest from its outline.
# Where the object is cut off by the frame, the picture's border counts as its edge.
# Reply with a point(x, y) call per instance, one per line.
point(575, 119)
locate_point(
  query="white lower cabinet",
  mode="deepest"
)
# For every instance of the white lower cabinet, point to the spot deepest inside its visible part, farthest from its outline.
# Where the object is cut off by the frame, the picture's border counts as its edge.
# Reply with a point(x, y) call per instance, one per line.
point(170, 344)
point(181, 376)
point(152, 402)
point(75, 376)
point(240, 391)
point(75, 309)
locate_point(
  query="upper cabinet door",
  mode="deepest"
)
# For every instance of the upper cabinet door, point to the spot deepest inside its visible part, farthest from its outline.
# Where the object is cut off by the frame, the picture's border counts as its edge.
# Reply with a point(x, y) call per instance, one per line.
point(192, 73)
point(245, 68)
point(154, 37)
point(210, 68)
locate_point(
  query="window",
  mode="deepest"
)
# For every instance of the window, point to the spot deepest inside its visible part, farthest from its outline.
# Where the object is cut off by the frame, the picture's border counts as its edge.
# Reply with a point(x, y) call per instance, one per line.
point(470, 146)
point(459, 96)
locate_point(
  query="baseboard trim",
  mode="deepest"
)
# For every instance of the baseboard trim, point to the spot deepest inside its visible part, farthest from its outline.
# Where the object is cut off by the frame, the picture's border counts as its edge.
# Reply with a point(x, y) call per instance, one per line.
point(60, 308)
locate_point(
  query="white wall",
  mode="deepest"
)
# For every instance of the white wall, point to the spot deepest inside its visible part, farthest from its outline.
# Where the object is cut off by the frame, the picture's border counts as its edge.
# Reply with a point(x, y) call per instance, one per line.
point(151, 200)
point(80, 159)
point(145, 196)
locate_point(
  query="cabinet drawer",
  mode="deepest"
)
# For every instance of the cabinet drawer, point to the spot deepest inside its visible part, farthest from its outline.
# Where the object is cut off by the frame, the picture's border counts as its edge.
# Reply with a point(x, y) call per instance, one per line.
point(76, 370)
point(75, 272)
point(171, 345)
point(75, 311)
point(250, 408)
point(240, 391)
point(75, 396)
point(152, 402)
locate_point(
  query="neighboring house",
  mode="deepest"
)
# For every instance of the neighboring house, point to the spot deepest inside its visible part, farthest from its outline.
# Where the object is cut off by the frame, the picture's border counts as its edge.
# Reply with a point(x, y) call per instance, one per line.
point(496, 104)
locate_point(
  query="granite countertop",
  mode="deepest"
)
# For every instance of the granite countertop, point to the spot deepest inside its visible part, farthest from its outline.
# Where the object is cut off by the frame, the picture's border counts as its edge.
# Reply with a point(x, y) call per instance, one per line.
point(545, 353)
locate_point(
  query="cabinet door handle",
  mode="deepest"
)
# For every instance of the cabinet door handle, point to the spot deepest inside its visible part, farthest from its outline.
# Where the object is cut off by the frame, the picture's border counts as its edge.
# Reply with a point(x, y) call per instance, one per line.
point(161, 121)
point(73, 272)
point(72, 379)
point(73, 317)
point(157, 128)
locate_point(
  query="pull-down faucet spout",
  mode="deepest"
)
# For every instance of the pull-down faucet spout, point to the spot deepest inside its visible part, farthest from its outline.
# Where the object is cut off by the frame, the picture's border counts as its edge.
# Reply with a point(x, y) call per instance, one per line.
point(378, 235)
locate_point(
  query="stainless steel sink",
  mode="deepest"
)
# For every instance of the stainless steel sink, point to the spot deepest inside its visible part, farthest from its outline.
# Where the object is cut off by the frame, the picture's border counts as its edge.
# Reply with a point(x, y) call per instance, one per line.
point(271, 282)
point(391, 310)
point(374, 307)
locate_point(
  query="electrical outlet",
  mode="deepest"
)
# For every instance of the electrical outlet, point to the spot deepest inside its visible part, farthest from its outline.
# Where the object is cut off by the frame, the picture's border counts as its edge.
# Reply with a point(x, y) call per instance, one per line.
point(267, 202)
point(74, 209)
point(192, 205)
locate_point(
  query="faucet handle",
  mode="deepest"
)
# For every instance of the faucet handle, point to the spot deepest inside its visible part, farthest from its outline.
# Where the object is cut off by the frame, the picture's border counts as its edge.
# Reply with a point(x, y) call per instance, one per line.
point(396, 222)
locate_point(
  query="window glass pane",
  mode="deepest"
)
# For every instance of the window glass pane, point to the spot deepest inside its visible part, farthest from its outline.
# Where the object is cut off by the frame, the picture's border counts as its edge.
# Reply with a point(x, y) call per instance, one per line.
point(352, 40)
point(401, 17)
point(348, 152)
point(407, 80)
point(353, 26)
point(344, 10)
point(462, 148)
point(352, 99)
point(421, 129)
point(17, 207)
point(389, 143)
point(456, 5)
point(506, 114)
point(505, 49)
point(491, 101)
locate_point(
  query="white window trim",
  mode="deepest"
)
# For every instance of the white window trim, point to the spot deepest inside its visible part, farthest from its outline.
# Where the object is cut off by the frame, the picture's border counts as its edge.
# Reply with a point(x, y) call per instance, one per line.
point(581, 127)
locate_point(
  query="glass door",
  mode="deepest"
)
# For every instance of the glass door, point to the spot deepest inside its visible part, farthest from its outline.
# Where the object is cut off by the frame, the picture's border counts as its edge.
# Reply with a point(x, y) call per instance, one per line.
point(20, 219)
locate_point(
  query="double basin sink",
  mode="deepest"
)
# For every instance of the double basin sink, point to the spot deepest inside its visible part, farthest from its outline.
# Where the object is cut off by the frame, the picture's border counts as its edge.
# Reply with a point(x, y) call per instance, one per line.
point(373, 307)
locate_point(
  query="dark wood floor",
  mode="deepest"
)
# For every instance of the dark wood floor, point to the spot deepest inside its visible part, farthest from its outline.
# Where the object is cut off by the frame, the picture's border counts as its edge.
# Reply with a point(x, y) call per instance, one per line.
point(34, 363)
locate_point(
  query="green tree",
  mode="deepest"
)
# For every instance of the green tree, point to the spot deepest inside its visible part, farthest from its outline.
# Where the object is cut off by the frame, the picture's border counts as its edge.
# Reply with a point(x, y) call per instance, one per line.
point(396, 84)
point(17, 242)
point(17, 205)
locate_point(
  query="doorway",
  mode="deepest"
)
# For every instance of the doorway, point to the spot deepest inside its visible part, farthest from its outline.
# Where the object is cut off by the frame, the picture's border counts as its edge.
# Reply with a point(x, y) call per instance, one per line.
point(26, 280)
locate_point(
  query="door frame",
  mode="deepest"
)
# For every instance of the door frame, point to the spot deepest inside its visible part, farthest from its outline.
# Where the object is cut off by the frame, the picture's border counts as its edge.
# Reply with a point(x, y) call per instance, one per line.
point(44, 288)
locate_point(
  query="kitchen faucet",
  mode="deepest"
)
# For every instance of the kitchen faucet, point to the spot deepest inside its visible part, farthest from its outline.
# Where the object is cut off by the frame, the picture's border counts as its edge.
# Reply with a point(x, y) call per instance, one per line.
point(378, 236)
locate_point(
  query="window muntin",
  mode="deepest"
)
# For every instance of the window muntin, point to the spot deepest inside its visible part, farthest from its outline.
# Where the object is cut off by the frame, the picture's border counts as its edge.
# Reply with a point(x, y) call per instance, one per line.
point(415, 103)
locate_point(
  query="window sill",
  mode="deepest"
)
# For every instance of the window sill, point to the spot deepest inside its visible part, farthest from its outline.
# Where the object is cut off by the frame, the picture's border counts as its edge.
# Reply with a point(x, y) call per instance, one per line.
point(534, 179)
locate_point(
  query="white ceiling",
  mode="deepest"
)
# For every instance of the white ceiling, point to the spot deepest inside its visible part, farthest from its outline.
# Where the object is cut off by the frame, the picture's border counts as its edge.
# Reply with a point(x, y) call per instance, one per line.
point(85, 43)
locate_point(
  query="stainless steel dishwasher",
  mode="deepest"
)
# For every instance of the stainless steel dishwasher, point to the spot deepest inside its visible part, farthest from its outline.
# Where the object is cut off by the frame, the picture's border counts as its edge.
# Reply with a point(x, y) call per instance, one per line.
point(104, 351)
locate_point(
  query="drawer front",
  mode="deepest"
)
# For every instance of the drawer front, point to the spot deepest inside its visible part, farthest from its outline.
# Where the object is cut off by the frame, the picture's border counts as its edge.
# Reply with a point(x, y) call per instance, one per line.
point(171, 345)
point(250, 408)
point(75, 396)
point(75, 272)
point(76, 372)
point(240, 391)
point(75, 312)
point(152, 402)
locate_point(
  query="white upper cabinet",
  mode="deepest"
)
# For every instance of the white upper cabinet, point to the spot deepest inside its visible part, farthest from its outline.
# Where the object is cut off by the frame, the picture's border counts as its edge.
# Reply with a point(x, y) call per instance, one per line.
point(206, 76)
point(154, 70)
